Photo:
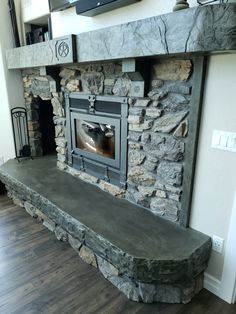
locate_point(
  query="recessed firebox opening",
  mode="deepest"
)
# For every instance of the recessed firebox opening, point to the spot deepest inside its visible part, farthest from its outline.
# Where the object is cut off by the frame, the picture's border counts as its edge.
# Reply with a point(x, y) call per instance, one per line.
point(47, 127)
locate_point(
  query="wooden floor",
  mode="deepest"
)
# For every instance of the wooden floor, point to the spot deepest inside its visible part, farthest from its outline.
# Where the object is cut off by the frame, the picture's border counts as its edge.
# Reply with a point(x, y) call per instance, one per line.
point(39, 274)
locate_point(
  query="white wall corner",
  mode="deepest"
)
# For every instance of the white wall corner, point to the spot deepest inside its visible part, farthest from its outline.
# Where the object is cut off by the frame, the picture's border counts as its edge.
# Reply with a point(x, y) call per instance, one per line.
point(228, 282)
point(212, 284)
point(234, 297)
point(226, 288)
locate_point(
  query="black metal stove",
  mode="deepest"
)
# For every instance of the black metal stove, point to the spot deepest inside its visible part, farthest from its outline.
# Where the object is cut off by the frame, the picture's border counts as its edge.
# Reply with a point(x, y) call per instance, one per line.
point(97, 135)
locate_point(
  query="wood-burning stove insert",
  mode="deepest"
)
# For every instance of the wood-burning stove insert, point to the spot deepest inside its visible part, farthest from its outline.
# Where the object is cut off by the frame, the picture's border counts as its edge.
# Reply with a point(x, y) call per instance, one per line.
point(97, 136)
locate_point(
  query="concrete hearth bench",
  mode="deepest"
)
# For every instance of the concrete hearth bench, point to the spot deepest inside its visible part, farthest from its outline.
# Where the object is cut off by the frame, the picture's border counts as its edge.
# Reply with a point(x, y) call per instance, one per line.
point(149, 259)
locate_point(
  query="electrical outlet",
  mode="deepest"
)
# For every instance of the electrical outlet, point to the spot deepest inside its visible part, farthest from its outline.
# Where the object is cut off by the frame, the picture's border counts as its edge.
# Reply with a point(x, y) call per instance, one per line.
point(217, 244)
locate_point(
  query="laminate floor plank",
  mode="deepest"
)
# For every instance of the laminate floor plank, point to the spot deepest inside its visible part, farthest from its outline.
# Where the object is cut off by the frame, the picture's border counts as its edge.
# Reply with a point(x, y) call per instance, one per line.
point(33, 269)
point(41, 275)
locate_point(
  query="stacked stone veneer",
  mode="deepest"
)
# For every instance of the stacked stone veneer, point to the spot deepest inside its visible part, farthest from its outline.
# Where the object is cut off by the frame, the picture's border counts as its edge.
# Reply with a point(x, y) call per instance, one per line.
point(38, 87)
point(157, 140)
point(158, 127)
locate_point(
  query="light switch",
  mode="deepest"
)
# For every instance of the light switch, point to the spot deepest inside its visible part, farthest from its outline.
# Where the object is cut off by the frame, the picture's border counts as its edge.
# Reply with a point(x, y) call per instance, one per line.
point(224, 140)
point(231, 142)
point(216, 139)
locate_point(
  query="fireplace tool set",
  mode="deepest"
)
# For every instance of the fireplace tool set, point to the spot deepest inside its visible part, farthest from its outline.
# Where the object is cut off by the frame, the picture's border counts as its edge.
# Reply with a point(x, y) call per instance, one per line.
point(20, 132)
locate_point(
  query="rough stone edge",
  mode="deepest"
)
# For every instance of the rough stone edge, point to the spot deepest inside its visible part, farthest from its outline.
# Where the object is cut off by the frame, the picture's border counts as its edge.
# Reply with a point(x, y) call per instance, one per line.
point(188, 39)
point(135, 291)
point(123, 283)
point(90, 237)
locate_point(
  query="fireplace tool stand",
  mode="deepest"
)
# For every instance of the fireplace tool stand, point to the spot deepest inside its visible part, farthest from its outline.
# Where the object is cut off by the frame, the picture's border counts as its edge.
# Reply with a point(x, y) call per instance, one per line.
point(20, 133)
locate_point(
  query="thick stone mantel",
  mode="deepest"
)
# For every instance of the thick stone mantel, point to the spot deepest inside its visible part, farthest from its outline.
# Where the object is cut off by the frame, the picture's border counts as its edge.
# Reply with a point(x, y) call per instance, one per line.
point(53, 52)
point(199, 30)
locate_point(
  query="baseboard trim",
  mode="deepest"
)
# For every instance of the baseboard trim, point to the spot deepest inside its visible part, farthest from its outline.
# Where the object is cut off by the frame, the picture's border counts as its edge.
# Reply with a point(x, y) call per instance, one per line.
point(212, 284)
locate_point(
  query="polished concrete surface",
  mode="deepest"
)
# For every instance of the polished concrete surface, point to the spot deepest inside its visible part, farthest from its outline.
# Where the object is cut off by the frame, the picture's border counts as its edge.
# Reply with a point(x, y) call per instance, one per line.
point(131, 228)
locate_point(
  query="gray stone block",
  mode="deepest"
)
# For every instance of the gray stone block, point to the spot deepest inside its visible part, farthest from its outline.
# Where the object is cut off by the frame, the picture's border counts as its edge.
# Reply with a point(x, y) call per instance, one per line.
point(170, 173)
point(134, 136)
point(146, 125)
point(165, 207)
point(122, 86)
point(142, 102)
point(175, 102)
point(92, 82)
point(75, 244)
point(135, 119)
point(146, 191)
point(177, 87)
point(157, 95)
point(61, 234)
point(150, 166)
point(40, 88)
point(168, 122)
point(140, 176)
point(30, 209)
point(165, 147)
point(153, 113)
point(136, 157)
point(136, 111)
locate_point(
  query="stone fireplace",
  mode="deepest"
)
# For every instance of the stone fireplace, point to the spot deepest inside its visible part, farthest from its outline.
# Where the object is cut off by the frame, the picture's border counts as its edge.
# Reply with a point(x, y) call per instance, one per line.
point(126, 111)
point(149, 134)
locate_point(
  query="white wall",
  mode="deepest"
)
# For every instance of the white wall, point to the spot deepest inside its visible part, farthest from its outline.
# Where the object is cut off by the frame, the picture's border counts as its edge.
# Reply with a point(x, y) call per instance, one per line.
point(11, 90)
point(33, 9)
point(68, 22)
point(6, 140)
point(215, 180)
